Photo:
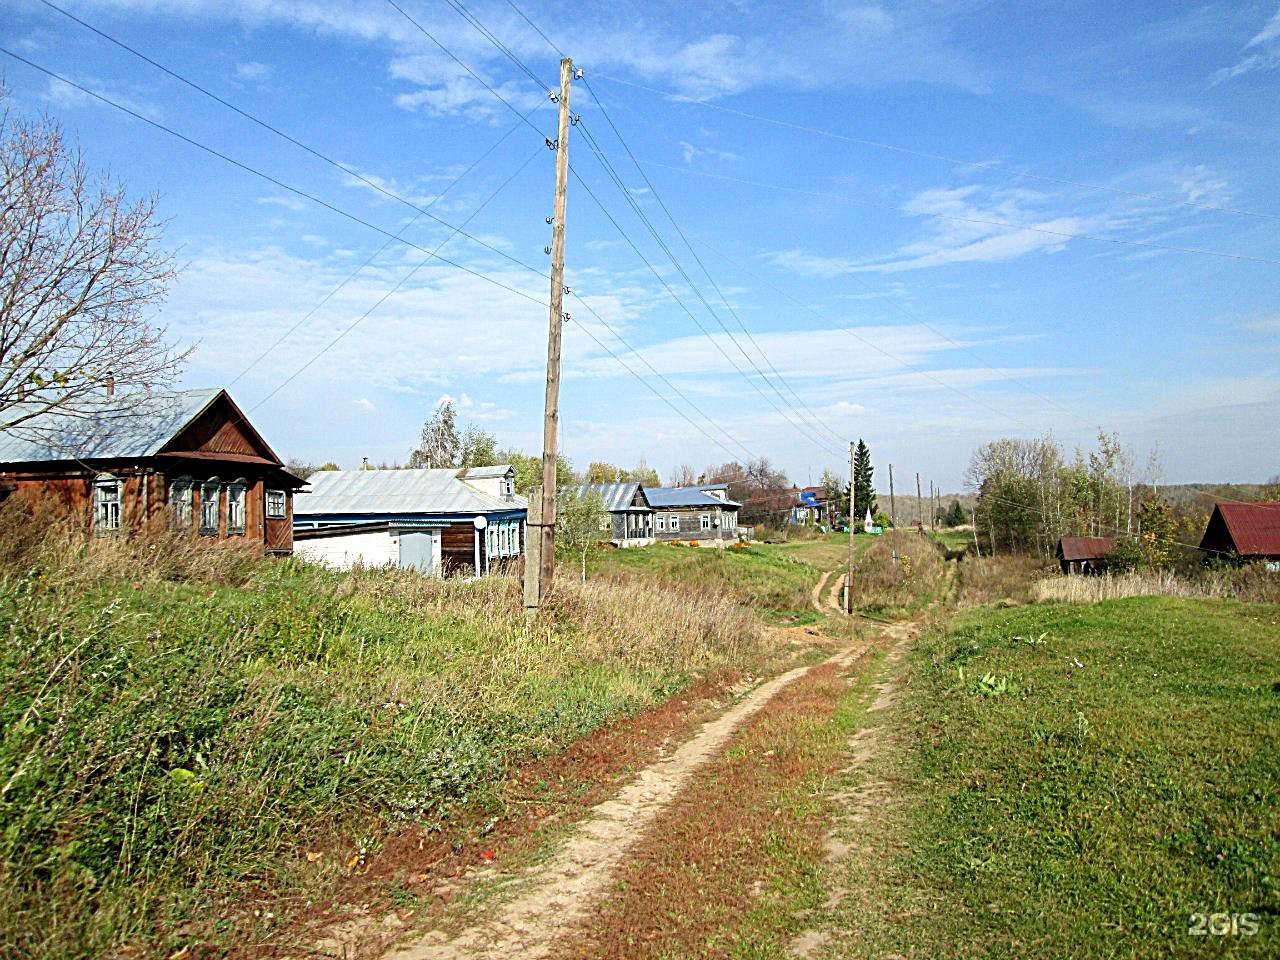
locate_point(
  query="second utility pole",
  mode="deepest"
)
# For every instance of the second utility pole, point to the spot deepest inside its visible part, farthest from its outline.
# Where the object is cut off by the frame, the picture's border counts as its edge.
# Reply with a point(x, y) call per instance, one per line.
point(546, 528)
point(848, 579)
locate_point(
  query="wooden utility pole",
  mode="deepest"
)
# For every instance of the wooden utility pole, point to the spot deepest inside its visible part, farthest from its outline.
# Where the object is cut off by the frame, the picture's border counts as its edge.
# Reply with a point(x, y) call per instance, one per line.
point(919, 505)
point(532, 551)
point(848, 577)
point(546, 525)
point(893, 515)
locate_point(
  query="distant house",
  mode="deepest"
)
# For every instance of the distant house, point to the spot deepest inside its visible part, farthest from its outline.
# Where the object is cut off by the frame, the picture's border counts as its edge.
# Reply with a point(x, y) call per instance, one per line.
point(1084, 555)
point(705, 514)
point(191, 457)
point(810, 507)
point(448, 521)
point(630, 513)
point(1244, 531)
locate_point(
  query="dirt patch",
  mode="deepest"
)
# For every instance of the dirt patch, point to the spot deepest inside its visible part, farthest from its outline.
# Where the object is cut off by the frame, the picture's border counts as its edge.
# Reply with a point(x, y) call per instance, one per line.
point(817, 591)
point(555, 895)
point(415, 874)
point(861, 799)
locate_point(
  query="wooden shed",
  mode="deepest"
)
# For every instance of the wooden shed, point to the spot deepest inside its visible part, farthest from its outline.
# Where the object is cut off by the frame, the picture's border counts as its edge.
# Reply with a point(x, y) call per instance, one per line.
point(191, 457)
point(1243, 531)
point(1085, 555)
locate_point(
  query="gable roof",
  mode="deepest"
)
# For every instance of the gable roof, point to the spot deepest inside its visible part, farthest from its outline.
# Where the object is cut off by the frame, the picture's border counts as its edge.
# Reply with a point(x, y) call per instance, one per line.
point(1085, 548)
point(127, 426)
point(617, 497)
point(1249, 529)
point(687, 497)
point(342, 493)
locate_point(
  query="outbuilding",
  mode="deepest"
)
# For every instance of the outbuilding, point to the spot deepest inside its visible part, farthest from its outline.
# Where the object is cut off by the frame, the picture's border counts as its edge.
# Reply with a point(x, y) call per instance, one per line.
point(443, 521)
point(1244, 532)
point(1084, 555)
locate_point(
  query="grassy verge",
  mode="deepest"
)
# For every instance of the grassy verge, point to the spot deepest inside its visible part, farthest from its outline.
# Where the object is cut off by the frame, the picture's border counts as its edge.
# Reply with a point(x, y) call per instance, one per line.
point(180, 724)
point(729, 869)
point(1079, 781)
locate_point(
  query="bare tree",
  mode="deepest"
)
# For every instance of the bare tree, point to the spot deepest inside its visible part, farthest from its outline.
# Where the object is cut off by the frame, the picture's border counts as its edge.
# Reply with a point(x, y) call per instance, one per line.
point(80, 272)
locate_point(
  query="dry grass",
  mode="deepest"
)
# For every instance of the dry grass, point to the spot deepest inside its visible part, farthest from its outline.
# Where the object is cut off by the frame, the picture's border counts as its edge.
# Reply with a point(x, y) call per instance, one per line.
point(919, 577)
point(1007, 578)
point(1254, 585)
point(180, 716)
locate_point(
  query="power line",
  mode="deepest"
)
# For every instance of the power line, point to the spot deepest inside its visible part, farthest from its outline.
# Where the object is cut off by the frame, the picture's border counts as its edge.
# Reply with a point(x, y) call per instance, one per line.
point(665, 209)
point(1069, 235)
point(908, 151)
point(400, 283)
point(374, 256)
point(277, 182)
point(372, 184)
point(617, 181)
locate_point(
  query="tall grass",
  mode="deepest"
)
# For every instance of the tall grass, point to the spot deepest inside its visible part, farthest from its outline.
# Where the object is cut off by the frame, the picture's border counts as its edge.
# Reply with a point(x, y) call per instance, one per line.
point(177, 718)
point(1252, 584)
point(918, 577)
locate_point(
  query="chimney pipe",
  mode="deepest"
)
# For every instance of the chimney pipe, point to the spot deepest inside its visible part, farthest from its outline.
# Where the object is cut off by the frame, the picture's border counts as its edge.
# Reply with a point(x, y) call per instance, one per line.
point(111, 384)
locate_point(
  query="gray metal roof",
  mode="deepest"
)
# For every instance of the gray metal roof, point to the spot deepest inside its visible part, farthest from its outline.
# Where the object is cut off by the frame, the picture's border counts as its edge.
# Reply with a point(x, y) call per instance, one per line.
point(685, 497)
point(617, 497)
point(484, 473)
point(125, 426)
point(395, 492)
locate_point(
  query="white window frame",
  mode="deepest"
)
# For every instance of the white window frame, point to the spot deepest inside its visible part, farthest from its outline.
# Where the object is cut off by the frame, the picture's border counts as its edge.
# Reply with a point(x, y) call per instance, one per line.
point(237, 501)
point(277, 497)
point(108, 494)
point(211, 486)
point(180, 502)
point(662, 523)
point(673, 522)
point(704, 521)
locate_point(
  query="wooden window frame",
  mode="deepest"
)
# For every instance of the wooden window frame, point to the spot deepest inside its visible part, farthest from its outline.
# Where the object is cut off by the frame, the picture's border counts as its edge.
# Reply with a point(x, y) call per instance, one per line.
point(270, 513)
point(182, 503)
point(108, 515)
point(214, 485)
point(237, 493)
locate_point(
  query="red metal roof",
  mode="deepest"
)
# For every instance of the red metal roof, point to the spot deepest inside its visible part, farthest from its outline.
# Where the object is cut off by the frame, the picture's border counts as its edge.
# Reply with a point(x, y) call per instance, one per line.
point(1084, 548)
point(1253, 529)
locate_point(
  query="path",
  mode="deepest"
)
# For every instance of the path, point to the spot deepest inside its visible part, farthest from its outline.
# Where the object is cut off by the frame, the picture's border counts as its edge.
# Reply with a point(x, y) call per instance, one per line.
point(556, 894)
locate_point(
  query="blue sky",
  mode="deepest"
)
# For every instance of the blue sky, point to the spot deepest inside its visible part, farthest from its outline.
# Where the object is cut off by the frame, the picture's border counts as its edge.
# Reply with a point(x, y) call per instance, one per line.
point(926, 224)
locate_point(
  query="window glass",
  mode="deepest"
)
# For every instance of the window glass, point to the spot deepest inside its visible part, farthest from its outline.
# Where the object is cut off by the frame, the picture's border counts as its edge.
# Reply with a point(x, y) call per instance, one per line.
point(180, 491)
point(210, 504)
point(106, 505)
point(275, 505)
point(235, 507)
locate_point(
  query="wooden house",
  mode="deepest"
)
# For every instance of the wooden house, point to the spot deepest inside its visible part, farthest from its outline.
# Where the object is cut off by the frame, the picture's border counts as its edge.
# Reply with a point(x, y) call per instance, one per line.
point(190, 457)
point(705, 514)
point(1243, 532)
point(1084, 555)
point(443, 521)
point(630, 513)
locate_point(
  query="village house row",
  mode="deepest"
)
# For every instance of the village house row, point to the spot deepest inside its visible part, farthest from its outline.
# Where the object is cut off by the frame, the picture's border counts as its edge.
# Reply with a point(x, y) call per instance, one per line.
point(193, 460)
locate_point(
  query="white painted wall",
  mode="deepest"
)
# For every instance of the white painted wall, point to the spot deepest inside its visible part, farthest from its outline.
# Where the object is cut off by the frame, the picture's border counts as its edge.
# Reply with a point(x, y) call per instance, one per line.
point(375, 549)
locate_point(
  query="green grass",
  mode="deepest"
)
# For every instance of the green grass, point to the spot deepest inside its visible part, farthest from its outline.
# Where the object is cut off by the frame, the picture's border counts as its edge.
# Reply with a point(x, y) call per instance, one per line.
point(171, 739)
point(1078, 782)
point(775, 580)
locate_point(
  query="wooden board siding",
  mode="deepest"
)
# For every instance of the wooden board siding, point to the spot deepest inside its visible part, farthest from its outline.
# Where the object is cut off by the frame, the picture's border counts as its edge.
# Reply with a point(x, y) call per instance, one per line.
point(144, 498)
point(458, 549)
point(691, 525)
point(220, 431)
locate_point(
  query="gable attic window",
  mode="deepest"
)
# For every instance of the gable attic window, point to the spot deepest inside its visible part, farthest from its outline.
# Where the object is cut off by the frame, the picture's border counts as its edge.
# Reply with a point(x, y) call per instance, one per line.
point(106, 505)
point(180, 491)
point(235, 506)
point(508, 488)
point(210, 498)
point(275, 505)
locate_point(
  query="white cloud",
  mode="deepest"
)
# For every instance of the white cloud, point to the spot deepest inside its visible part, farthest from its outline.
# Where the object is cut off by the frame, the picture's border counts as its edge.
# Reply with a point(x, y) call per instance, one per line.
point(252, 72)
point(1267, 59)
point(367, 405)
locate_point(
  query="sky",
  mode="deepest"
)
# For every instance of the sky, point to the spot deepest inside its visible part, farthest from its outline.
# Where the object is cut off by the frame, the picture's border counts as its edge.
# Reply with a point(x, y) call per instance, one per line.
point(927, 224)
